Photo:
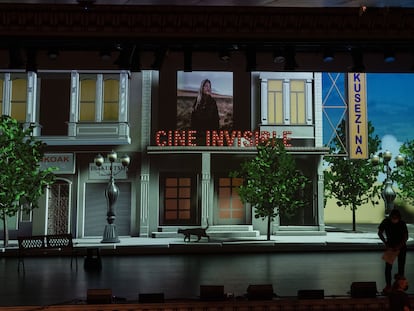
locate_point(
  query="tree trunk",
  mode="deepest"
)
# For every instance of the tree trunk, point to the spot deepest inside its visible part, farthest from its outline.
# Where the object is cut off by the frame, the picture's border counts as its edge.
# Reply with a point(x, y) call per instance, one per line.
point(5, 230)
point(269, 221)
point(353, 219)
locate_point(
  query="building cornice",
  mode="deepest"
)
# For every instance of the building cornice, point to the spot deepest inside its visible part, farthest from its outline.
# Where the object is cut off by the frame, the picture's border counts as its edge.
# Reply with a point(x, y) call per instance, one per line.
point(231, 150)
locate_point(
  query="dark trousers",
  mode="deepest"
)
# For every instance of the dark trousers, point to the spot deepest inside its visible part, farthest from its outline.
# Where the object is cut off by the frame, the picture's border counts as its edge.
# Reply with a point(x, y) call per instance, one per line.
point(401, 266)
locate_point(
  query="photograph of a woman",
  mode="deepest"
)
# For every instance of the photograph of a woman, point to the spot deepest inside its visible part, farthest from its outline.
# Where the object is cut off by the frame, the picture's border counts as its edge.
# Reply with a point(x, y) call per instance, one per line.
point(205, 113)
point(204, 101)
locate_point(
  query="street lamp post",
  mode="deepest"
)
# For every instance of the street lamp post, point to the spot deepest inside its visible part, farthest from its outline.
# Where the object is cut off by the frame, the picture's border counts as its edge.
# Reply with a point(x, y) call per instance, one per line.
point(111, 193)
point(388, 193)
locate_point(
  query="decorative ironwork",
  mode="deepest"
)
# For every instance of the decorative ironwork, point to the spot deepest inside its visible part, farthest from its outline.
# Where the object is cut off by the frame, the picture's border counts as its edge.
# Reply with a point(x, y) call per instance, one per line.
point(58, 208)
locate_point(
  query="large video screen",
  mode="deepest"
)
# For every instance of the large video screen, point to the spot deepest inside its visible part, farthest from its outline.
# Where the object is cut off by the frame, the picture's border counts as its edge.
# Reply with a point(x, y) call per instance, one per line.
point(204, 100)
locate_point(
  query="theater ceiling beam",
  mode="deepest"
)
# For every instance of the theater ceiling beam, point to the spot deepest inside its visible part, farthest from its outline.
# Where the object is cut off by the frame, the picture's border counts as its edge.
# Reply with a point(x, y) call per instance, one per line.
point(259, 24)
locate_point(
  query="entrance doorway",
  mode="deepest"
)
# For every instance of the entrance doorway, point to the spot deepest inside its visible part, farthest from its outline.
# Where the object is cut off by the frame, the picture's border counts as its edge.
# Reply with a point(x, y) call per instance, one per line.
point(230, 209)
point(58, 208)
point(179, 204)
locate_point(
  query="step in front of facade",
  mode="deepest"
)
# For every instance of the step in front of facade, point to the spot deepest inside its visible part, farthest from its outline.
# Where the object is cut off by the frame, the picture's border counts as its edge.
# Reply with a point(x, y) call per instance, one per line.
point(299, 233)
point(227, 231)
point(210, 228)
point(212, 234)
point(234, 234)
point(231, 228)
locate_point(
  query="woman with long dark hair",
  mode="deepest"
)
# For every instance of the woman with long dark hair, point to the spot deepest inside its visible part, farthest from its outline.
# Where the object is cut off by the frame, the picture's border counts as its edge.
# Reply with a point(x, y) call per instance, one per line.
point(205, 115)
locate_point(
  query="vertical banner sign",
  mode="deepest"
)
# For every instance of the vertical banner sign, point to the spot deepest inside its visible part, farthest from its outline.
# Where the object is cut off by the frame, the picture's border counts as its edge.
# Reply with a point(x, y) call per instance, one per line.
point(357, 116)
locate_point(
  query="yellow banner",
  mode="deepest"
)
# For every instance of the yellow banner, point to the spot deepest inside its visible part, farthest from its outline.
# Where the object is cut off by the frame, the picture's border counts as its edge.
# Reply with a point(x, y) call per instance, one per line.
point(357, 116)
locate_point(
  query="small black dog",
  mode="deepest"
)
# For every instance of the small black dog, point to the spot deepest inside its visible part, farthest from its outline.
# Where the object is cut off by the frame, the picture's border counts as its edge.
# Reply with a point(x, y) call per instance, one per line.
point(199, 232)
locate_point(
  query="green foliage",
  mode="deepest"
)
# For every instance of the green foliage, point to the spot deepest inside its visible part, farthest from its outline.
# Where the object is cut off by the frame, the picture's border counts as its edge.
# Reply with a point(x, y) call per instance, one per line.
point(404, 175)
point(21, 179)
point(271, 182)
point(352, 182)
point(407, 210)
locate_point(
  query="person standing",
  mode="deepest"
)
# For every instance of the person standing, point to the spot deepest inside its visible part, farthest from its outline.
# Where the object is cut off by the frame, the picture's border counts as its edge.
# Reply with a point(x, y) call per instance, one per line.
point(205, 114)
point(395, 239)
point(398, 298)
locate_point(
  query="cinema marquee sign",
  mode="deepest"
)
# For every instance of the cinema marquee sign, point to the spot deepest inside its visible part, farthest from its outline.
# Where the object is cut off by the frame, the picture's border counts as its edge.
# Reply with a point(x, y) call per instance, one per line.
point(357, 116)
point(219, 138)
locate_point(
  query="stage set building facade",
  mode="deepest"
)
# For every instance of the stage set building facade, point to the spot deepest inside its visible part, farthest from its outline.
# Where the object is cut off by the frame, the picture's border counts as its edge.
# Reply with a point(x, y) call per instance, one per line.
point(175, 179)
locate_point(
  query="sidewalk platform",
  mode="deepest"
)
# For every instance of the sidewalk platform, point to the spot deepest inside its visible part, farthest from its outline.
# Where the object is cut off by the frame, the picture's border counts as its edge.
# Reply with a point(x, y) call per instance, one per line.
point(333, 240)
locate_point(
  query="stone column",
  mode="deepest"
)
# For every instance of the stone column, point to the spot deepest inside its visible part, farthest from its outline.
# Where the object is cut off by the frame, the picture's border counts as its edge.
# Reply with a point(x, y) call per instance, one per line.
point(206, 206)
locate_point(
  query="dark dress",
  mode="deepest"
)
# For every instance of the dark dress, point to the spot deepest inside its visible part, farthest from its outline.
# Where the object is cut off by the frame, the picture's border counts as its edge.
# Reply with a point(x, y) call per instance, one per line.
point(205, 115)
